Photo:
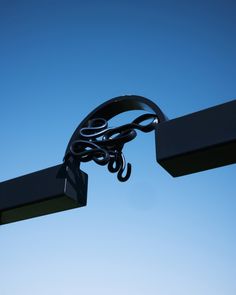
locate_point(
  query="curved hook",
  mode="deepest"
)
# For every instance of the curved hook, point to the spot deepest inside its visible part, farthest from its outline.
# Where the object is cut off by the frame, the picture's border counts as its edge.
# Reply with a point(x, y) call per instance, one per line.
point(122, 169)
point(114, 164)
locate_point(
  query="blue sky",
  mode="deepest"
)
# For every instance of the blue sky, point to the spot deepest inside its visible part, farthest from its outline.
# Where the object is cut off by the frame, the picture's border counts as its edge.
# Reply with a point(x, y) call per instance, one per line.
point(154, 234)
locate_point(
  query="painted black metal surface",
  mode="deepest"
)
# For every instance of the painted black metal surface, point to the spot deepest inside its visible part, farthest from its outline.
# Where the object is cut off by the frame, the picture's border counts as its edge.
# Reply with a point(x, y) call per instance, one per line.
point(95, 140)
point(192, 143)
point(64, 186)
point(198, 141)
point(42, 192)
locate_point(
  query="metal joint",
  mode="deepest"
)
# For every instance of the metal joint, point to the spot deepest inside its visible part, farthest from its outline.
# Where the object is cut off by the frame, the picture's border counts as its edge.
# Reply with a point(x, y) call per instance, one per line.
point(95, 140)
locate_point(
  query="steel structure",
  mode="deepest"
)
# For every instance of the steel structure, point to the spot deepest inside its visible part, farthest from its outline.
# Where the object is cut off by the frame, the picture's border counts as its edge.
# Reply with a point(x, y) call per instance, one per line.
point(188, 144)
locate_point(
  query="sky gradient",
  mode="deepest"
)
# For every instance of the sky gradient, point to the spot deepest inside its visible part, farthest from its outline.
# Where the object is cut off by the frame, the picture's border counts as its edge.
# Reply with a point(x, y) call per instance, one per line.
point(154, 234)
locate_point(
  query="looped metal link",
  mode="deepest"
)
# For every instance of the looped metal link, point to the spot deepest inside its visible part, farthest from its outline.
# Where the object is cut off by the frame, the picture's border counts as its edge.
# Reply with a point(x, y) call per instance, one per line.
point(104, 145)
point(145, 128)
point(86, 151)
point(96, 127)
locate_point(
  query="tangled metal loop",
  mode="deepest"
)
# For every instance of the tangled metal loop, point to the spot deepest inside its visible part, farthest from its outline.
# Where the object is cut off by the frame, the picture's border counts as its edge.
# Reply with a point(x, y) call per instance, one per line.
point(103, 144)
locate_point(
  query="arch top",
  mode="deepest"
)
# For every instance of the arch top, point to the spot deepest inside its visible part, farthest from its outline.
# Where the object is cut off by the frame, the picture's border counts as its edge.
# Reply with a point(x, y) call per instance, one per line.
point(116, 106)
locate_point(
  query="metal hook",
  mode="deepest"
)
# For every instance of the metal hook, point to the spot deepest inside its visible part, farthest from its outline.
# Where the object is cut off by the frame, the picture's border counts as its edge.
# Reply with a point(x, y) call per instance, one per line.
point(114, 164)
point(122, 169)
point(128, 173)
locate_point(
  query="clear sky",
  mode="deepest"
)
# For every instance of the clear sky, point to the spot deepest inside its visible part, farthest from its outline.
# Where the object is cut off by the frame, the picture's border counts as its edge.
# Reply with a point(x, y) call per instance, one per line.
point(154, 234)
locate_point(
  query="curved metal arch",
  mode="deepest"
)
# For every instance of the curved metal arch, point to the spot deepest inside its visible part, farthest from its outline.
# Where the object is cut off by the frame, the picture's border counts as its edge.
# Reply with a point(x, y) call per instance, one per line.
point(116, 106)
point(84, 145)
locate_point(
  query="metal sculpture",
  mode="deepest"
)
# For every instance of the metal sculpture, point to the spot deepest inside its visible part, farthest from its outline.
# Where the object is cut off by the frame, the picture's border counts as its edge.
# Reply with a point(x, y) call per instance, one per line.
point(95, 140)
point(192, 143)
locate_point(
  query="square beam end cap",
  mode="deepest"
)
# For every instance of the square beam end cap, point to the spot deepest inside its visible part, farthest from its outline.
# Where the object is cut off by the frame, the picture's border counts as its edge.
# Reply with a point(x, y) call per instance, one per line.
point(43, 192)
point(198, 141)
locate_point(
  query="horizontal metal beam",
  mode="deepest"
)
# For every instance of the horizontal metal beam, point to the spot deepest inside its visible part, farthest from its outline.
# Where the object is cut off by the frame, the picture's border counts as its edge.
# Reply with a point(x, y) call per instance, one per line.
point(198, 141)
point(43, 192)
point(192, 143)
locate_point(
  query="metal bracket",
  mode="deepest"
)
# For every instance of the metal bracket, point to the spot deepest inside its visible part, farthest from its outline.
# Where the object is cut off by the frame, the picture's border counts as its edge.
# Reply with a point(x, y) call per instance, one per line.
point(95, 140)
point(192, 143)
